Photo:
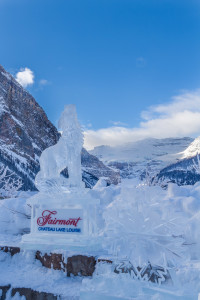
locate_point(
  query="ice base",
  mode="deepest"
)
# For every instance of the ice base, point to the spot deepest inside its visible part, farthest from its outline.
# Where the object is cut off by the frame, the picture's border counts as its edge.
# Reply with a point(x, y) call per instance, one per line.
point(80, 200)
point(47, 242)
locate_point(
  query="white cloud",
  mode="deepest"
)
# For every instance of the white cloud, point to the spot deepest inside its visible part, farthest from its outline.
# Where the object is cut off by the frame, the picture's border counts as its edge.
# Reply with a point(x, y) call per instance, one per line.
point(44, 82)
point(179, 118)
point(118, 123)
point(25, 77)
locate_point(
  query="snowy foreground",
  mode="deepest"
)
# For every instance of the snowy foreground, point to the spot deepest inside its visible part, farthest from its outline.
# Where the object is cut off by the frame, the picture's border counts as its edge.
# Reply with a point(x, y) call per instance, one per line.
point(140, 225)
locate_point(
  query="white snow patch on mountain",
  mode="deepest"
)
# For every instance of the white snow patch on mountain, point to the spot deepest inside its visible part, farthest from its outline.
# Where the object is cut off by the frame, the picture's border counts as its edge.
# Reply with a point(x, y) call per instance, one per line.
point(193, 149)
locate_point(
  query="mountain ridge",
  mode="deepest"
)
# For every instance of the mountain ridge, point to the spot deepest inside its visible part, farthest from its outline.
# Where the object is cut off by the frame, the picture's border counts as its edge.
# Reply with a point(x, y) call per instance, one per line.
point(132, 159)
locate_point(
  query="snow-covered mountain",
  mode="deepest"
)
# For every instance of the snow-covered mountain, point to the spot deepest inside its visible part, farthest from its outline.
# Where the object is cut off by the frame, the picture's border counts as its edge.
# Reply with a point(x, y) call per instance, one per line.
point(161, 160)
point(184, 172)
point(25, 132)
point(193, 149)
point(133, 159)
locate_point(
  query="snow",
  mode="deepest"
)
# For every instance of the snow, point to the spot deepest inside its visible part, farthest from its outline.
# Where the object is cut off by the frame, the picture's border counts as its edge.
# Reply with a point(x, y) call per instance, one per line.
point(139, 224)
point(150, 224)
point(166, 150)
point(138, 227)
point(23, 270)
point(193, 149)
point(8, 76)
point(35, 146)
point(3, 107)
point(9, 151)
point(17, 121)
point(106, 284)
point(14, 218)
point(134, 159)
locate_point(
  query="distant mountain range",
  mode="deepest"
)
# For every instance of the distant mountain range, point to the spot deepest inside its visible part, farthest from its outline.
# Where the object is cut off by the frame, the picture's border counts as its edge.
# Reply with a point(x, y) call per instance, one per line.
point(162, 160)
point(132, 159)
point(25, 132)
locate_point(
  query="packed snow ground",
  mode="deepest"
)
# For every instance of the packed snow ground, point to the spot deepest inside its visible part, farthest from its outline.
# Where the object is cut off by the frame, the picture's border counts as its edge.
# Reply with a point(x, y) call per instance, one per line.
point(139, 224)
point(23, 270)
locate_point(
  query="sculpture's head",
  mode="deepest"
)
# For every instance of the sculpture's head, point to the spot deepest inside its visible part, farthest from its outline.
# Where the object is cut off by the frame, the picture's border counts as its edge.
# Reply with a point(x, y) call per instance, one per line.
point(68, 118)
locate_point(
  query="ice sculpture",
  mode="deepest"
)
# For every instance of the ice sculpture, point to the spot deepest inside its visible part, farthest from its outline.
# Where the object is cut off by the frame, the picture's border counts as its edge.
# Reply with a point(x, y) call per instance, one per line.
point(63, 212)
point(66, 153)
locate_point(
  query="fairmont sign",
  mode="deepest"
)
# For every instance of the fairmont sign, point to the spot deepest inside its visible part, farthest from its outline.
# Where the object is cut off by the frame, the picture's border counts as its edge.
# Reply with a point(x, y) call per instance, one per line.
point(59, 221)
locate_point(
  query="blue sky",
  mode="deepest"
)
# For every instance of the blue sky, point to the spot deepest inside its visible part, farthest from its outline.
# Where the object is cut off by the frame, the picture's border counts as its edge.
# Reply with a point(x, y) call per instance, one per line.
point(114, 59)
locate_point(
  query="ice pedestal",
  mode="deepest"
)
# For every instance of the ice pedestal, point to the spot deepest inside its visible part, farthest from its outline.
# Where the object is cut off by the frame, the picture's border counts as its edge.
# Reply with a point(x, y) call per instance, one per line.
point(63, 221)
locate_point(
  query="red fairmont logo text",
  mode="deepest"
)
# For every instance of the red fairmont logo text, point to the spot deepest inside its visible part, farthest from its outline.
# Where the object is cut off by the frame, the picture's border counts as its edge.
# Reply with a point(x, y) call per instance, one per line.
point(48, 218)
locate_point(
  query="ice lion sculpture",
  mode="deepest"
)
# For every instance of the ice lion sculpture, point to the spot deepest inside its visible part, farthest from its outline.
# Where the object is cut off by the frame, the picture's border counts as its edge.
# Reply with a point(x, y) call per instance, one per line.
point(66, 153)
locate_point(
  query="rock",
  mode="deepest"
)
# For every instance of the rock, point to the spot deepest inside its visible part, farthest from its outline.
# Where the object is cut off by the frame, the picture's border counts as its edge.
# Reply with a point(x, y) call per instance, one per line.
point(76, 265)
point(25, 130)
point(81, 265)
point(3, 291)
point(94, 166)
point(52, 260)
point(11, 250)
point(104, 260)
point(30, 294)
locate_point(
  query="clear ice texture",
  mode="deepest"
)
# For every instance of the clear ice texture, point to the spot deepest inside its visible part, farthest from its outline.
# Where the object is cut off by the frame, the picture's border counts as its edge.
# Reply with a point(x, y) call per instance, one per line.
point(66, 153)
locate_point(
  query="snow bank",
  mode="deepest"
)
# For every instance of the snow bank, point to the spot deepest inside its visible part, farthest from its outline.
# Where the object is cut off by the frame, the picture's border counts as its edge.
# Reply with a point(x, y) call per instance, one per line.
point(14, 219)
point(139, 223)
point(148, 224)
point(22, 270)
point(145, 223)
